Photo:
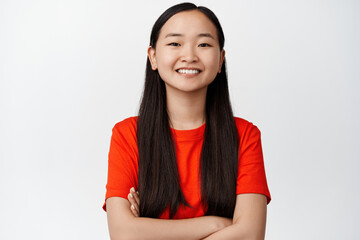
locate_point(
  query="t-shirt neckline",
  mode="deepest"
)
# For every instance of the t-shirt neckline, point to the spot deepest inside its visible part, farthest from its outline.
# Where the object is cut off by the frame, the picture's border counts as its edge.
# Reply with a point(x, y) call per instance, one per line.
point(189, 134)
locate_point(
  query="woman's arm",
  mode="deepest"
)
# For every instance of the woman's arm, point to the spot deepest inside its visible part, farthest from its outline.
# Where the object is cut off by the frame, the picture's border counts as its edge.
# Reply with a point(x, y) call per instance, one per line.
point(249, 219)
point(124, 225)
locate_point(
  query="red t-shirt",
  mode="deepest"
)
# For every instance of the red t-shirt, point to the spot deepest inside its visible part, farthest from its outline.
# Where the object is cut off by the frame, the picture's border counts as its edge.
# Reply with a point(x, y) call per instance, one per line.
point(123, 164)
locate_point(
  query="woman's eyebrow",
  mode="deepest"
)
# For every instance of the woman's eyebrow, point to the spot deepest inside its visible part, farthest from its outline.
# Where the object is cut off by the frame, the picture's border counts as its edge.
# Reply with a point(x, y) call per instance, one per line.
point(181, 35)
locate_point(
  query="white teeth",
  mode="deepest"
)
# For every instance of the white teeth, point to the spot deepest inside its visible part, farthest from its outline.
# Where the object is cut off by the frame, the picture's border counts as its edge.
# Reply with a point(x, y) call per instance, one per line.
point(188, 71)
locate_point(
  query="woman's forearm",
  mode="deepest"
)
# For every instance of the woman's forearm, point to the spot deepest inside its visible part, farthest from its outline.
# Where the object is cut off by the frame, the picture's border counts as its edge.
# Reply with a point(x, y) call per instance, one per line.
point(234, 231)
point(249, 219)
point(124, 225)
point(149, 228)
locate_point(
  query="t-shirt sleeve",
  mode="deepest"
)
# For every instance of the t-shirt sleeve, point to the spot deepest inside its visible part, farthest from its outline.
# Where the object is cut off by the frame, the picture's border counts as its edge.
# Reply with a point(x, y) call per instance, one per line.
point(122, 162)
point(251, 171)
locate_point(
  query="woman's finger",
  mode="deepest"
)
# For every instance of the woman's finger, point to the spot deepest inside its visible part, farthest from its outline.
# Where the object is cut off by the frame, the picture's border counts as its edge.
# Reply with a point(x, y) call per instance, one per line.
point(133, 205)
point(132, 201)
point(135, 195)
point(134, 211)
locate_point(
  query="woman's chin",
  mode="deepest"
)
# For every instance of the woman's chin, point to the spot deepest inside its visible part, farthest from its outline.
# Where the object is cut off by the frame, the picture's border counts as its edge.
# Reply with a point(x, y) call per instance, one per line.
point(186, 88)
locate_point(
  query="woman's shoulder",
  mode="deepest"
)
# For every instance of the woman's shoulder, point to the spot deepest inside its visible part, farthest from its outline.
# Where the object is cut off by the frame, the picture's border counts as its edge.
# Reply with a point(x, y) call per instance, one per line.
point(126, 126)
point(127, 121)
point(241, 122)
point(244, 126)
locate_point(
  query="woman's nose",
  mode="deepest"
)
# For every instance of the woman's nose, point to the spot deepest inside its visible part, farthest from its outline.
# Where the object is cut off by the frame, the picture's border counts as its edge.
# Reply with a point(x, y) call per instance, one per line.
point(189, 54)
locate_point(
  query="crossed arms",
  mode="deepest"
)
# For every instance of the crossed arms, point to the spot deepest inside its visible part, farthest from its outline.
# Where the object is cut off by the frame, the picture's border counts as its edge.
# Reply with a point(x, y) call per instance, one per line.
point(248, 223)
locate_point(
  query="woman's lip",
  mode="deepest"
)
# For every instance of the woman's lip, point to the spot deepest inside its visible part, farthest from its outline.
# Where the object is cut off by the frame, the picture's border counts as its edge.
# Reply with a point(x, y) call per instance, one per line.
point(188, 69)
point(188, 74)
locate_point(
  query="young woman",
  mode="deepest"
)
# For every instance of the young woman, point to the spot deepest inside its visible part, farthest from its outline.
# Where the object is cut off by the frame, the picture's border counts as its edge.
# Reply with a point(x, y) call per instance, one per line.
point(195, 171)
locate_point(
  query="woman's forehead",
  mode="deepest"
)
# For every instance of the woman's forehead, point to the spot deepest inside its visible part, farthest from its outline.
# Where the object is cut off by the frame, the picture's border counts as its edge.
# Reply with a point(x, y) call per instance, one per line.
point(188, 23)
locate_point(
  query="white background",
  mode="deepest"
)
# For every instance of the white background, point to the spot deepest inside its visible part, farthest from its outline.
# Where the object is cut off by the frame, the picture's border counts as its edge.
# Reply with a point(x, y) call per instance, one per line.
point(69, 70)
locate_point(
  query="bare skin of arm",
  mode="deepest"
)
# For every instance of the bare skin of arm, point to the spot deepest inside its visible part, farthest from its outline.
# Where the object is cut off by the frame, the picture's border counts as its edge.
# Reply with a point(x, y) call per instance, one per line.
point(124, 224)
point(249, 220)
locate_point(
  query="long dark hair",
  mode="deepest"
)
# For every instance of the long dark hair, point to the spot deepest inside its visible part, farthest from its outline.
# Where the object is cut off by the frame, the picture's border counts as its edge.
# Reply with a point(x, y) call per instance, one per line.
point(159, 185)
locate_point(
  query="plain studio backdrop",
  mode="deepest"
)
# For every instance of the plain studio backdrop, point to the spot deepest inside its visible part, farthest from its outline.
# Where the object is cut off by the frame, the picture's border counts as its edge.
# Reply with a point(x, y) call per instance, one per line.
point(69, 70)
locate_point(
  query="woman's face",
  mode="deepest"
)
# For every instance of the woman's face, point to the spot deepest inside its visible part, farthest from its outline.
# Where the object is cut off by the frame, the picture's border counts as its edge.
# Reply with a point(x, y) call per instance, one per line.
point(187, 53)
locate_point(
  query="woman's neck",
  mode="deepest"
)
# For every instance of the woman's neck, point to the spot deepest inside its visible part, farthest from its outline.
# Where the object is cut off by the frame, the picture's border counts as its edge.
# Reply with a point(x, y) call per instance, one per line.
point(186, 109)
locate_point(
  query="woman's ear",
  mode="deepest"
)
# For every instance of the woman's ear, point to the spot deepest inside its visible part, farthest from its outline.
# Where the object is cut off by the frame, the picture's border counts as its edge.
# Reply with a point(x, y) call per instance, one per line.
point(222, 57)
point(151, 55)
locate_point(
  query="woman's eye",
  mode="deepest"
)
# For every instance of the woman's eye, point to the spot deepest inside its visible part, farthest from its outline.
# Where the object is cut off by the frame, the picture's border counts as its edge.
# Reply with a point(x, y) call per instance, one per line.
point(204, 45)
point(174, 44)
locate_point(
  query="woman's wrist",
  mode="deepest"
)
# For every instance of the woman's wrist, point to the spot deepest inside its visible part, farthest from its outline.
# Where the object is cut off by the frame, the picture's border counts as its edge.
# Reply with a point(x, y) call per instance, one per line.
point(219, 223)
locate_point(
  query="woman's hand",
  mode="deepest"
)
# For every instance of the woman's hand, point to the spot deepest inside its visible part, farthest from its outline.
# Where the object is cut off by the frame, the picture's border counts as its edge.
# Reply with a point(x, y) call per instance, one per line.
point(134, 200)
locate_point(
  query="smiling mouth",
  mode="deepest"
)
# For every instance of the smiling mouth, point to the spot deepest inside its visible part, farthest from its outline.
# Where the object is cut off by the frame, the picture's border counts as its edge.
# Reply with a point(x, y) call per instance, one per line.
point(188, 71)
